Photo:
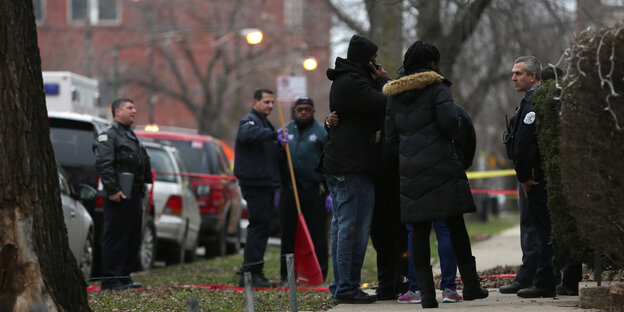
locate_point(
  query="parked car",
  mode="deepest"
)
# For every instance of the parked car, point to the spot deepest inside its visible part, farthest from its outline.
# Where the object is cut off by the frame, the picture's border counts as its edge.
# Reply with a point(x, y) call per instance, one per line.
point(72, 136)
point(216, 187)
point(175, 207)
point(78, 222)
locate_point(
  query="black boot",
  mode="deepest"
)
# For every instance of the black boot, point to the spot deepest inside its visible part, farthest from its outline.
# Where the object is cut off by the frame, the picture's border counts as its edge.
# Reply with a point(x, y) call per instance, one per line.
point(424, 276)
point(471, 280)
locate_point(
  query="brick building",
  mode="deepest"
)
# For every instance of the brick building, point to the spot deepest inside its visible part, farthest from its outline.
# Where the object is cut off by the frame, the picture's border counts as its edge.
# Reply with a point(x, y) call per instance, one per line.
point(179, 59)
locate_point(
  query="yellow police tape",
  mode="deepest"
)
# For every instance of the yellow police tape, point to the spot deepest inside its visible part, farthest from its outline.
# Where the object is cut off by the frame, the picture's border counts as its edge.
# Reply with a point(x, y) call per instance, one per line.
point(490, 174)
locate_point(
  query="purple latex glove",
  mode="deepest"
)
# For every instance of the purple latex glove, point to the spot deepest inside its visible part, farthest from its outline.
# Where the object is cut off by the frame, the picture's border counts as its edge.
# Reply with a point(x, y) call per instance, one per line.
point(281, 137)
point(328, 203)
point(276, 199)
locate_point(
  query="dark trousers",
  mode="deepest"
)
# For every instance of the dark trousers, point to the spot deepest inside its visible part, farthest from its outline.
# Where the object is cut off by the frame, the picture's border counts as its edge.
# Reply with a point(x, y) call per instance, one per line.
point(260, 211)
point(528, 240)
point(314, 212)
point(448, 263)
point(459, 240)
point(121, 239)
point(539, 224)
point(572, 274)
point(389, 237)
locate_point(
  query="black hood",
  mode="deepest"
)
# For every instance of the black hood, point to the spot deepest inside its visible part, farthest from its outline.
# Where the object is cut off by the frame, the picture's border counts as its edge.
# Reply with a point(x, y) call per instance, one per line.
point(344, 66)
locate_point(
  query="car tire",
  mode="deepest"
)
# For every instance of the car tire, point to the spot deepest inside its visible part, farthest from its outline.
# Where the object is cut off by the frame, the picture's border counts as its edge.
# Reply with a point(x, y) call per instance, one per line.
point(218, 246)
point(175, 255)
point(234, 241)
point(190, 255)
point(147, 251)
point(86, 260)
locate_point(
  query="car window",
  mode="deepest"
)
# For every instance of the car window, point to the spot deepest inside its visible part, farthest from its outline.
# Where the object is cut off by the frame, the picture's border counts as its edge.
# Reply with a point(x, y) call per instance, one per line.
point(162, 164)
point(64, 184)
point(198, 156)
point(222, 162)
point(73, 147)
point(182, 165)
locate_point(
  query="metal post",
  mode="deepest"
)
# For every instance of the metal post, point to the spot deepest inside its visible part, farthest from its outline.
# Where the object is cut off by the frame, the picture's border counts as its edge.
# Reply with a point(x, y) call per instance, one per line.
point(290, 265)
point(116, 70)
point(249, 293)
point(597, 267)
point(193, 304)
point(88, 38)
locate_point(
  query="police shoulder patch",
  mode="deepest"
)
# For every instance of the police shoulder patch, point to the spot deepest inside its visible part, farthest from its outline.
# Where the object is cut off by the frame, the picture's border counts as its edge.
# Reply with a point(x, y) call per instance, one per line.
point(529, 118)
point(251, 123)
point(102, 137)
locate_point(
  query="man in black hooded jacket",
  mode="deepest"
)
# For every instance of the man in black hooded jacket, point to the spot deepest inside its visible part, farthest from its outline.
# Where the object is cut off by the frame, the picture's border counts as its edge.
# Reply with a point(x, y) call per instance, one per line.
point(349, 161)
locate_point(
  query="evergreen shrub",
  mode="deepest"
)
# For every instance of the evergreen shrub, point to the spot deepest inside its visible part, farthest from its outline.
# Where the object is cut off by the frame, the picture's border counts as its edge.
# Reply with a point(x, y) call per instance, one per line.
point(592, 140)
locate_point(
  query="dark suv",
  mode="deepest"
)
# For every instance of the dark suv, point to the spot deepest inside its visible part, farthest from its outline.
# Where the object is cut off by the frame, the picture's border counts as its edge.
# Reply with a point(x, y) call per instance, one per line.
point(72, 136)
point(216, 188)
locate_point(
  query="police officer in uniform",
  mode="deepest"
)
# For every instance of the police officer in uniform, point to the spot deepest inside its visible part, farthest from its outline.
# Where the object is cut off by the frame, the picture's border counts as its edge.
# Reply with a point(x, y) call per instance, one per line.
point(123, 165)
point(535, 278)
point(256, 165)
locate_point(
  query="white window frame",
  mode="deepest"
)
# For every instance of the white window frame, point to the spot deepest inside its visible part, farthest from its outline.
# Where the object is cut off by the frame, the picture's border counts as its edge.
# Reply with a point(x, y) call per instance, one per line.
point(293, 14)
point(93, 14)
point(43, 11)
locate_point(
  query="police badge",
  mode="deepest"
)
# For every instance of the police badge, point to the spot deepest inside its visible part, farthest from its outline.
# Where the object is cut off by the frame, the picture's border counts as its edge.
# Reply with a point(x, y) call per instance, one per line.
point(529, 118)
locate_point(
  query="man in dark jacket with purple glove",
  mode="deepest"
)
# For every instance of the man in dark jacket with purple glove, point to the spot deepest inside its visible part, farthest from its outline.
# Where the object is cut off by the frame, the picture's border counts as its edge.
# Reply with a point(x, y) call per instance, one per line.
point(256, 165)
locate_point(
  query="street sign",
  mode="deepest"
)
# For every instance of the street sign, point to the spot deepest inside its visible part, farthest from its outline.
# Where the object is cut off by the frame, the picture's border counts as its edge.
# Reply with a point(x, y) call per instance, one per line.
point(289, 88)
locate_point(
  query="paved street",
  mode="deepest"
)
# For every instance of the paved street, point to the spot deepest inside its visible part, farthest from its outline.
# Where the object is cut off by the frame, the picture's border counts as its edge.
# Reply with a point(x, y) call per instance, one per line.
point(500, 250)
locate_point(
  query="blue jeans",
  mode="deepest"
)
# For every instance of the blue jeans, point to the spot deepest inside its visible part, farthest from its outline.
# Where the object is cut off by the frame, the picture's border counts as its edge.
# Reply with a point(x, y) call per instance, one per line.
point(353, 201)
point(448, 262)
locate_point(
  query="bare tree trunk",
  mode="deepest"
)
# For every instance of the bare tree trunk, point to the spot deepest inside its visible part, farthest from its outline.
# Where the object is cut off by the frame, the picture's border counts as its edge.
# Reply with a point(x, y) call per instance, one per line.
point(387, 31)
point(37, 269)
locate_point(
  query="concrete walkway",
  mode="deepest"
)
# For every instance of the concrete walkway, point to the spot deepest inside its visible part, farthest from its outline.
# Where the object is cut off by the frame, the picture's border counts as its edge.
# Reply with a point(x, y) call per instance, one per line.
point(499, 250)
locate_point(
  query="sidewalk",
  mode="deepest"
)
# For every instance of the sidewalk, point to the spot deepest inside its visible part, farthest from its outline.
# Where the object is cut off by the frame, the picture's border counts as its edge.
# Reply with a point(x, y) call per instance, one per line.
point(500, 250)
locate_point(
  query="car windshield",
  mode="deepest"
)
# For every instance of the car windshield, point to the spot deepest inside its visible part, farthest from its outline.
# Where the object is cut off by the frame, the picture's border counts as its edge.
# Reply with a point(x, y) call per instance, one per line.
point(198, 156)
point(162, 164)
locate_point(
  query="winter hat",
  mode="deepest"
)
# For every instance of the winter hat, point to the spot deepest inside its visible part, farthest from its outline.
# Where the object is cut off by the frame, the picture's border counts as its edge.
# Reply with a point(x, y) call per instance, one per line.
point(304, 100)
point(360, 49)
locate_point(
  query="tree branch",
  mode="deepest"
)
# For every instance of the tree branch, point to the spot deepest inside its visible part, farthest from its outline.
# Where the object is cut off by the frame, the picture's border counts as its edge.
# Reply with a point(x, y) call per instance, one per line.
point(343, 17)
point(161, 88)
point(463, 27)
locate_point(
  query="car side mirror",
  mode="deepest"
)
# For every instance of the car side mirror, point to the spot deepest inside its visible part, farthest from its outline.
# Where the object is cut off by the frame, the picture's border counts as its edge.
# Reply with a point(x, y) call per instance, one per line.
point(86, 192)
point(202, 190)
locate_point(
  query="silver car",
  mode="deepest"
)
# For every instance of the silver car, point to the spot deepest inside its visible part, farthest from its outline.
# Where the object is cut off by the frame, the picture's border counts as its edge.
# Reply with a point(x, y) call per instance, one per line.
point(78, 222)
point(176, 212)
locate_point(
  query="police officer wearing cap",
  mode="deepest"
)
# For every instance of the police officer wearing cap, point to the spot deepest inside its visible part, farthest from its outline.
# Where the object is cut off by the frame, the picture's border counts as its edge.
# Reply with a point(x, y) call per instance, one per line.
point(307, 138)
point(123, 165)
point(535, 278)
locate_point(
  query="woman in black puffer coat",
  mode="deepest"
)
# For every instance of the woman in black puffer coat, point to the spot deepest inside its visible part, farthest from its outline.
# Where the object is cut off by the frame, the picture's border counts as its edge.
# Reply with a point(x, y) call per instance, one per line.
point(422, 121)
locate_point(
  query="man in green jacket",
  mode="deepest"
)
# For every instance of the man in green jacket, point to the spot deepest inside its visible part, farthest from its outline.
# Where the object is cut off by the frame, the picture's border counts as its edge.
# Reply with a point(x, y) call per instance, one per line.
point(307, 138)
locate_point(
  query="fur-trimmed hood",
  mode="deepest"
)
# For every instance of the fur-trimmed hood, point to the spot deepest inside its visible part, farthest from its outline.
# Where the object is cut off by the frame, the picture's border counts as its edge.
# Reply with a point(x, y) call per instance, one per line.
point(411, 82)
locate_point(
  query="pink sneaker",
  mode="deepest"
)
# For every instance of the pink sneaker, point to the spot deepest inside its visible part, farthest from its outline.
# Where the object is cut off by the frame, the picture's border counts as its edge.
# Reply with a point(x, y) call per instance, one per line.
point(410, 297)
point(450, 296)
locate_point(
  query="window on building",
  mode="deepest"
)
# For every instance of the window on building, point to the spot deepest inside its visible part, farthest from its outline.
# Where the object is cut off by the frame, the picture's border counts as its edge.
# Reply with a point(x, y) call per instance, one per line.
point(101, 12)
point(39, 10)
point(78, 10)
point(293, 14)
point(107, 10)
